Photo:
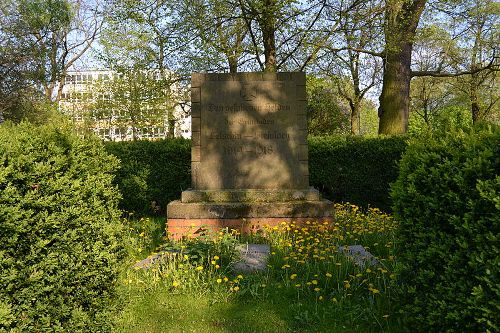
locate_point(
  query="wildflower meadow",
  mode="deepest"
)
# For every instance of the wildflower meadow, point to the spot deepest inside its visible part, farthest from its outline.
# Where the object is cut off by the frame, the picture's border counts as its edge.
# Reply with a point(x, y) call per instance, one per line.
point(310, 285)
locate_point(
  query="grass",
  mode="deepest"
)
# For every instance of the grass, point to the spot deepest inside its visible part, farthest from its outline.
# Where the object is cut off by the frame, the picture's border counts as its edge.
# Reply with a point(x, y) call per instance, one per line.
point(309, 286)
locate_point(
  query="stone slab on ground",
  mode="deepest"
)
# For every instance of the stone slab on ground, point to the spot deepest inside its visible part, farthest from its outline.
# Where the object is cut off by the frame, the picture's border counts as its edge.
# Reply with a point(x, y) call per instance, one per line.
point(153, 258)
point(253, 257)
point(359, 255)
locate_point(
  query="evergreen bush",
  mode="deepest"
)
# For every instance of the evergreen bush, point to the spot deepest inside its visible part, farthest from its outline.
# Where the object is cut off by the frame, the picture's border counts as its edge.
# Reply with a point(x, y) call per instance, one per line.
point(448, 203)
point(60, 235)
point(355, 169)
point(152, 173)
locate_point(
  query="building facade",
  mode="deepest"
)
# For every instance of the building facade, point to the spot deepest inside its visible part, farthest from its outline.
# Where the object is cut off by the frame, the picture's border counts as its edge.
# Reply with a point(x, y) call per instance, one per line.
point(118, 107)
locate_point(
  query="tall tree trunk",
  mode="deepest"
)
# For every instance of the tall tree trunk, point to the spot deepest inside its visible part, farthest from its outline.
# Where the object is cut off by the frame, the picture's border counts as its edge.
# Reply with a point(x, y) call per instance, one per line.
point(233, 64)
point(474, 102)
point(355, 115)
point(395, 97)
point(402, 17)
point(268, 27)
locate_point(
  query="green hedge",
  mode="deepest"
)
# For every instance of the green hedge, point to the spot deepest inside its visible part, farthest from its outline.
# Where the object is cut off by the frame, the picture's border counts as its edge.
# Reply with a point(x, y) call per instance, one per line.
point(353, 169)
point(447, 198)
point(151, 171)
point(60, 235)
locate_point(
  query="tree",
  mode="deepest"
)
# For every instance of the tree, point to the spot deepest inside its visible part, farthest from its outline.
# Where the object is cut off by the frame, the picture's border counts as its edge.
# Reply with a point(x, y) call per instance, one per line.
point(51, 36)
point(219, 29)
point(400, 24)
point(326, 113)
point(355, 73)
point(145, 36)
point(464, 52)
point(139, 101)
point(285, 33)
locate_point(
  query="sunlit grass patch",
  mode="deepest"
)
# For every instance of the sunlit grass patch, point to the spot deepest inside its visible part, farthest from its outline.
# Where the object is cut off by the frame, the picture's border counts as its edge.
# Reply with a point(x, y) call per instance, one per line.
point(307, 274)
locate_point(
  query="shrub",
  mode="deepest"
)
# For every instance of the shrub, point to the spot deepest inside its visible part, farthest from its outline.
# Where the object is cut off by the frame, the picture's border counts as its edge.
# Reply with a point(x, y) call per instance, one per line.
point(447, 201)
point(60, 243)
point(355, 169)
point(151, 171)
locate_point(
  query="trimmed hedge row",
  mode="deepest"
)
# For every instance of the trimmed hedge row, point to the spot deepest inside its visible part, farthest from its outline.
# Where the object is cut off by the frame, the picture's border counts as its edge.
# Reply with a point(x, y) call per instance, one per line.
point(353, 169)
point(152, 173)
point(60, 232)
point(447, 199)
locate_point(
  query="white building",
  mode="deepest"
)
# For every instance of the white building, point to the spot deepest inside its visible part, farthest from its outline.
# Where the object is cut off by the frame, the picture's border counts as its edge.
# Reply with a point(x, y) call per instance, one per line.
point(87, 97)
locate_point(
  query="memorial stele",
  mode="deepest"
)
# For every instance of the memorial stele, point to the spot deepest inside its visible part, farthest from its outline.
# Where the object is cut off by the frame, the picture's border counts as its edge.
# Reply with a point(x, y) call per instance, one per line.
point(249, 155)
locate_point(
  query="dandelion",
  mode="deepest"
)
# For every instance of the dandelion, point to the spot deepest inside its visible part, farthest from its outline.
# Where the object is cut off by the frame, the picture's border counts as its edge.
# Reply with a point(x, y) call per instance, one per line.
point(216, 258)
point(236, 288)
point(334, 300)
point(175, 284)
point(199, 268)
point(225, 279)
point(317, 289)
point(328, 275)
point(213, 262)
point(320, 298)
point(240, 277)
point(298, 285)
point(219, 280)
point(368, 270)
point(293, 276)
point(217, 266)
point(314, 282)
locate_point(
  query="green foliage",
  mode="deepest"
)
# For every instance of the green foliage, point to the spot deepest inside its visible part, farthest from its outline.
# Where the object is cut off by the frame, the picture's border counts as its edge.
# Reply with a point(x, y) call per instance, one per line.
point(456, 115)
point(447, 201)
point(326, 115)
point(151, 171)
point(60, 234)
point(355, 169)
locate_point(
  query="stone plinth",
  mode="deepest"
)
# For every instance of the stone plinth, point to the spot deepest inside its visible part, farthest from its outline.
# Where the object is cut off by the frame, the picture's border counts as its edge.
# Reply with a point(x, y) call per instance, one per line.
point(249, 155)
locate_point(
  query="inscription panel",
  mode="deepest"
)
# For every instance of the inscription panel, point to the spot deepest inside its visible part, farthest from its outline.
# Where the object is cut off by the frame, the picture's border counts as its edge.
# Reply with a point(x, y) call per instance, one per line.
point(251, 132)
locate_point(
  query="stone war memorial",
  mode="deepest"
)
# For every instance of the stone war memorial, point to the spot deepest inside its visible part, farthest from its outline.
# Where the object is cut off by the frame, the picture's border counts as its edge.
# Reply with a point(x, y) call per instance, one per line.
point(249, 155)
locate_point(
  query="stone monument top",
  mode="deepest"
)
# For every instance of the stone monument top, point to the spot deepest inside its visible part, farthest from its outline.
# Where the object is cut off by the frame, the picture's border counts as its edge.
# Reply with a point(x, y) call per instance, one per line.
point(249, 131)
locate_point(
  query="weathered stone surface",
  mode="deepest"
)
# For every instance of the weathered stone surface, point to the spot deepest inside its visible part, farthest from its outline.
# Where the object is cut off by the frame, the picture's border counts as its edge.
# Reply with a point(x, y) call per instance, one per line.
point(156, 257)
point(252, 131)
point(359, 255)
point(250, 195)
point(231, 210)
point(253, 257)
point(180, 227)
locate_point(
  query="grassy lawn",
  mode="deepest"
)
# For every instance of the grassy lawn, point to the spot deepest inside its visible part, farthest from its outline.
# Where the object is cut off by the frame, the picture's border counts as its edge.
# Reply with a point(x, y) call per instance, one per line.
point(309, 286)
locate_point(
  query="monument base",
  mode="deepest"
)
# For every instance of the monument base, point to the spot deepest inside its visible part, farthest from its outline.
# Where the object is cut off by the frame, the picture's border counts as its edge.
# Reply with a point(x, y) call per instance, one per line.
point(251, 213)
